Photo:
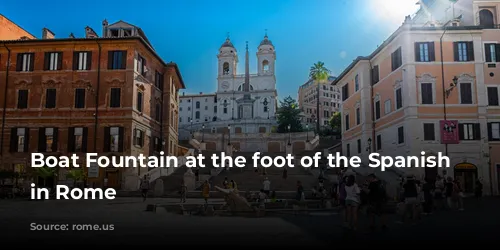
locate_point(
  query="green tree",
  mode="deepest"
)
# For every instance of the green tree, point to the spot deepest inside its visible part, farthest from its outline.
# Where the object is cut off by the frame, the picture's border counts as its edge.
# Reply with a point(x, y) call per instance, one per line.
point(289, 114)
point(77, 174)
point(45, 173)
point(336, 122)
point(319, 74)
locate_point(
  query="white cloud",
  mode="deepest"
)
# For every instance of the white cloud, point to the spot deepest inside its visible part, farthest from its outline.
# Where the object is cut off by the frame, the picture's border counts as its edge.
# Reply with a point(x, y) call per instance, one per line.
point(343, 54)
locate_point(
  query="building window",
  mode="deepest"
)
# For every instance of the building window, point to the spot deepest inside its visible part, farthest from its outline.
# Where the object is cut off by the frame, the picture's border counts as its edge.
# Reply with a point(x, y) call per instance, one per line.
point(426, 93)
point(50, 98)
point(486, 18)
point(197, 105)
point(396, 59)
point(115, 98)
point(157, 112)
point(345, 92)
point(346, 122)
point(356, 83)
point(138, 138)
point(401, 135)
point(429, 132)
point(494, 131)
point(82, 60)
point(77, 139)
point(375, 74)
point(358, 116)
point(53, 61)
point(492, 52)
point(206, 107)
point(141, 65)
point(463, 51)
point(47, 139)
point(113, 139)
point(215, 109)
point(493, 96)
point(25, 62)
point(424, 52)
point(22, 99)
point(197, 115)
point(140, 100)
point(225, 68)
point(379, 142)
point(466, 93)
point(79, 98)
point(117, 59)
point(377, 110)
point(387, 106)
point(159, 81)
point(469, 131)
point(399, 99)
point(358, 142)
point(19, 140)
point(189, 108)
point(348, 150)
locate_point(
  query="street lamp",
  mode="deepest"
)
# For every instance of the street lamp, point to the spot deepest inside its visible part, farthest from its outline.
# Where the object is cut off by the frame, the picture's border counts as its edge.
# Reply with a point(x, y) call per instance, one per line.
point(203, 133)
point(289, 135)
point(229, 134)
point(307, 132)
point(452, 86)
point(369, 146)
point(265, 105)
point(163, 145)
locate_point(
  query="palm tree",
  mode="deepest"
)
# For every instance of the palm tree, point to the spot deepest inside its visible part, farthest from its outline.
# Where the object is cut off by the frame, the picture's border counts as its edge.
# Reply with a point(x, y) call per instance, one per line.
point(77, 174)
point(319, 74)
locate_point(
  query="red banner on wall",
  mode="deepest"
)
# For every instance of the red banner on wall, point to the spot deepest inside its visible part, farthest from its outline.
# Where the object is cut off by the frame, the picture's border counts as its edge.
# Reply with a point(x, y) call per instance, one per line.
point(449, 132)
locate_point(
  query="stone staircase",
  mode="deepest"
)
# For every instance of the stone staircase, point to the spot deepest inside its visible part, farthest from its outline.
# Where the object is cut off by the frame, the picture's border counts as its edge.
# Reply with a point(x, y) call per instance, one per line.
point(250, 178)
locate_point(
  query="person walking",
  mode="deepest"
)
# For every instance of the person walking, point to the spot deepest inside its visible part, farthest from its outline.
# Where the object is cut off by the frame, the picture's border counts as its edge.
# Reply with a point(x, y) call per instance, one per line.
point(266, 186)
point(144, 188)
point(206, 191)
point(478, 192)
point(285, 173)
point(352, 202)
point(410, 193)
point(183, 192)
point(377, 199)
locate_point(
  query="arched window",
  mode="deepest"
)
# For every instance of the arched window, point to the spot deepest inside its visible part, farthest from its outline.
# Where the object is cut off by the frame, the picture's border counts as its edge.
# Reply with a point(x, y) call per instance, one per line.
point(225, 68)
point(240, 88)
point(225, 106)
point(265, 65)
point(486, 18)
point(197, 105)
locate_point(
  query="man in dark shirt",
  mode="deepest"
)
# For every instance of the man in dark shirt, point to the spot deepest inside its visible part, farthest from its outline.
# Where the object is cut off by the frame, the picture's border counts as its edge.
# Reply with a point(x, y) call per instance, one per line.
point(376, 200)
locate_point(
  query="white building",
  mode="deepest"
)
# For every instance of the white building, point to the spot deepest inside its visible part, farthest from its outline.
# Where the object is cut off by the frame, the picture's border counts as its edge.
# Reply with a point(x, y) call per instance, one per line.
point(248, 108)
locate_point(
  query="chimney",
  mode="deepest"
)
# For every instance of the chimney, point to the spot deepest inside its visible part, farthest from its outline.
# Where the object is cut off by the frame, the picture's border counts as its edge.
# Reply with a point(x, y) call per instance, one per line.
point(104, 28)
point(47, 34)
point(90, 33)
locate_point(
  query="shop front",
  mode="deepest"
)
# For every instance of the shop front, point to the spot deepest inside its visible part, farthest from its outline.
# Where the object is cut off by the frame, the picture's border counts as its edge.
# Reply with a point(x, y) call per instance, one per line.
point(466, 173)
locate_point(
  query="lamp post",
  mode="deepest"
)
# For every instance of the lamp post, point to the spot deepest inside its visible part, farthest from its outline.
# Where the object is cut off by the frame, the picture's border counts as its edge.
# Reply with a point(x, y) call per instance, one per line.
point(203, 133)
point(289, 134)
point(265, 105)
point(369, 146)
point(307, 132)
point(229, 134)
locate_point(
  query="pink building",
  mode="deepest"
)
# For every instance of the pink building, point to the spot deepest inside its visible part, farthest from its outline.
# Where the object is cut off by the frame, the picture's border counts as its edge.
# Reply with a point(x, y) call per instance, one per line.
point(432, 86)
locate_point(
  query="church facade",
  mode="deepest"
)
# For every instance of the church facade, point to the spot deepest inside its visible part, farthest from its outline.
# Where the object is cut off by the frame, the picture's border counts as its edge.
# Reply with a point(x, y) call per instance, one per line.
point(243, 103)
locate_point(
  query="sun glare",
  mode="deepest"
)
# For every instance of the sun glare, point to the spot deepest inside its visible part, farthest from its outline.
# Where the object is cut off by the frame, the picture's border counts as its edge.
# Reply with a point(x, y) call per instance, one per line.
point(393, 11)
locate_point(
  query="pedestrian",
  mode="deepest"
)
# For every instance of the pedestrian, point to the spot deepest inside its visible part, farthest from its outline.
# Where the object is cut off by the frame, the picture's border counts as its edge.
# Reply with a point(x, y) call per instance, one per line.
point(285, 173)
point(352, 202)
point(183, 192)
point(377, 199)
point(300, 192)
point(439, 192)
point(478, 192)
point(206, 191)
point(459, 194)
point(428, 190)
point(342, 199)
point(144, 187)
point(410, 193)
point(225, 183)
point(197, 174)
point(450, 193)
point(266, 185)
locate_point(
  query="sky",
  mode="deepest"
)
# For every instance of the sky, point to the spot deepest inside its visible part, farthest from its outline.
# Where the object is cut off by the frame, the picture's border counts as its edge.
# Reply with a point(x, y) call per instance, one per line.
point(190, 32)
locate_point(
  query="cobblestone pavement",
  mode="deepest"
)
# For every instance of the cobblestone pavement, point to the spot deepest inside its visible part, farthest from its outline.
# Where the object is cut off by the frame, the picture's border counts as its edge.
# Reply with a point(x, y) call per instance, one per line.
point(134, 226)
